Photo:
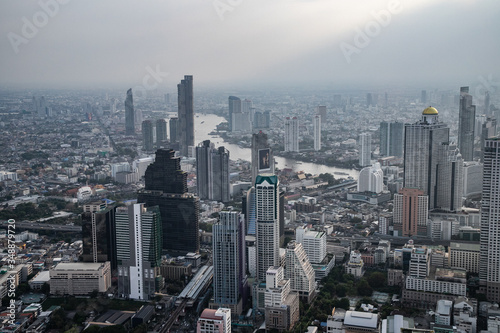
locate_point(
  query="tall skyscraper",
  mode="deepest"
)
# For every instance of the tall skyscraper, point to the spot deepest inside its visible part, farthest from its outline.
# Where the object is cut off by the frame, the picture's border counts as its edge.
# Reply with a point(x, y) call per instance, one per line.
point(212, 172)
point(166, 187)
point(317, 132)
point(98, 233)
point(423, 97)
point(365, 149)
point(321, 110)
point(138, 248)
point(262, 155)
point(391, 139)
point(234, 107)
point(161, 132)
point(147, 135)
point(173, 124)
point(488, 130)
point(410, 212)
point(228, 243)
point(423, 140)
point(185, 114)
point(292, 134)
point(489, 260)
point(450, 178)
point(129, 114)
point(466, 122)
point(267, 223)
point(487, 103)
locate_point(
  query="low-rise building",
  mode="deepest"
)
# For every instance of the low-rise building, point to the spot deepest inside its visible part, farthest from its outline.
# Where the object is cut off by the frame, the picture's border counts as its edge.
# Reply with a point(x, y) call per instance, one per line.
point(80, 278)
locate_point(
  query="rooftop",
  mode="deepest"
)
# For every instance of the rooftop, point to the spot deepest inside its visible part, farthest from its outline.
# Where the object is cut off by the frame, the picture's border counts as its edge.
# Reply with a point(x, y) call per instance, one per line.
point(361, 319)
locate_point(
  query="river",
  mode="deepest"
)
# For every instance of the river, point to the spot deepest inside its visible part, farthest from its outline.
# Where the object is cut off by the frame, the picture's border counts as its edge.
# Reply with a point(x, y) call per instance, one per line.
point(206, 123)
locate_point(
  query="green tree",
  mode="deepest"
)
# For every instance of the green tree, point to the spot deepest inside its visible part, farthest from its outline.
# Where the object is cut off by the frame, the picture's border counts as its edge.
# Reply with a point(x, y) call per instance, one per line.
point(377, 280)
point(363, 288)
point(340, 290)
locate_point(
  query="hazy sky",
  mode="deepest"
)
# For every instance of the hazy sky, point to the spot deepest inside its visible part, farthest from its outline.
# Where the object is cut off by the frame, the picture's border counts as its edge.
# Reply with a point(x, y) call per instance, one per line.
point(112, 43)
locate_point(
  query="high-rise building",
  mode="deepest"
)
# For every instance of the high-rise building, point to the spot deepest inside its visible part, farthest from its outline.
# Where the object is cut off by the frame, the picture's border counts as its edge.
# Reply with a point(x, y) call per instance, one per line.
point(487, 103)
point(450, 179)
point(410, 212)
point(234, 107)
point(292, 134)
point(299, 271)
point(423, 97)
point(261, 119)
point(281, 304)
point(228, 245)
point(313, 242)
point(138, 249)
point(391, 139)
point(488, 130)
point(129, 114)
point(166, 187)
point(466, 123)
point(147, 135)
point(262, 155)
point(267, 223)
point(365, 149)
point(371, 179)
point(98, 234)
point(214, 321)
point(489, 264)
point(212, 172)
point(185, 114)
point(321, 110)
point(423, 140)
point(173, 124)
point(161, 132)
point(317, 132)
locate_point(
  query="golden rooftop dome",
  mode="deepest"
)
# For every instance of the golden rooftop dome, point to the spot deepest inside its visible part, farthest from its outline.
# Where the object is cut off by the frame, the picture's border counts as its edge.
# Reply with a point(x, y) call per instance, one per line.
point(430, 111)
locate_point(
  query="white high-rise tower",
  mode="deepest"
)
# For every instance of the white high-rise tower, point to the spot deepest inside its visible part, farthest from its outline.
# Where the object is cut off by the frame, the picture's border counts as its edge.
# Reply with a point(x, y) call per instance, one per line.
point(365, 149)
point(292, 134)
point(317, 132)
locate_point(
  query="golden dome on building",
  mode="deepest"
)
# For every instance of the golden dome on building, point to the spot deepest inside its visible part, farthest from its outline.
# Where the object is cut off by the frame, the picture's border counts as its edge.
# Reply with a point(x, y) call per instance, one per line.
point(430, 111)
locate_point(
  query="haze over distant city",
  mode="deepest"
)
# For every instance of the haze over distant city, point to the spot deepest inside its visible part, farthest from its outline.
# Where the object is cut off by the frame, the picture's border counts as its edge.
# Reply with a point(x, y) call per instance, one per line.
point(238, 43)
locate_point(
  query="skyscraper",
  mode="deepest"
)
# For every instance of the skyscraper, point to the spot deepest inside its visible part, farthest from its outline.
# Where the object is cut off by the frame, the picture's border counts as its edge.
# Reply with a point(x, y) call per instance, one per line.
point(166, 187)
point(185, 114)
point(173, 124)
point(161, 132)
point(228, 244)
point(129, 114)
point(147, 135)
point(487, 103)
point(212, 172)
point(391, 139)
point(98, 233)
point(234, 107)
point(317, 132)
point(488, 130)
point(423, 140)
point(365, 149)
point(267, 223)
point(450, 178)
point(466, 122)
point(138, 248)
point(410, 212)
point(292, 134)
point(489, 260)
point(321, 110)
point(262, 155)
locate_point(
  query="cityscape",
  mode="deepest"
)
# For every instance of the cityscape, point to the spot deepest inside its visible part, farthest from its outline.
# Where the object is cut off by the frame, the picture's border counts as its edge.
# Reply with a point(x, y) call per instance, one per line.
point(256, 186)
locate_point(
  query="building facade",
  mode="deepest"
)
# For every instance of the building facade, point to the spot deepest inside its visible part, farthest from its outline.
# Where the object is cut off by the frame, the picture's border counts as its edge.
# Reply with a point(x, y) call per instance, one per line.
point(489, 269)
point(466, 123)
point(185, 114)
point(138, 248)
point(365, 149)
point(391, 139)
point(129, 114)
point(292, 134)
point(147, 135)
point(317, 132)
point(212, 172)
point(411, 213)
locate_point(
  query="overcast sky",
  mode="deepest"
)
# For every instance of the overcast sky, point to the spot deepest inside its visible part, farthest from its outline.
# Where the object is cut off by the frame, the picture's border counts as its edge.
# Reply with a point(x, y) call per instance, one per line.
point(112, 43)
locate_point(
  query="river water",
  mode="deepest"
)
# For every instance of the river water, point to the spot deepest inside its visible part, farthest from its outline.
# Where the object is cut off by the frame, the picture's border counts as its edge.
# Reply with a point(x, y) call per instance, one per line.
point(206, 123)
